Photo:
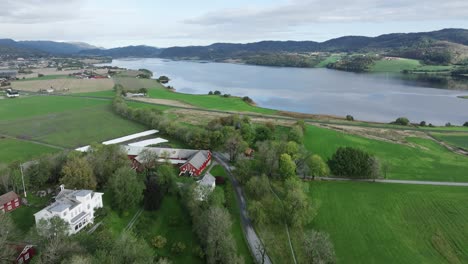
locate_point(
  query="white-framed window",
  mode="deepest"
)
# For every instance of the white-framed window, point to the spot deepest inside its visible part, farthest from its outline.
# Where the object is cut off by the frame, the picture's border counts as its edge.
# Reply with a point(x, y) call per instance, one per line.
point(26, 256)
point(17, 204)
point(9, 207)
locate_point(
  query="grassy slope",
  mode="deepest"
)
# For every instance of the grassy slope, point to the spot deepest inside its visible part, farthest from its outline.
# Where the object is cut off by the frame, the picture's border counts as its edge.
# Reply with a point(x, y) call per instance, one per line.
point(24, 216)
point(431, 162)
point(395, 65)
point(389, 223)
point(47, 77)
point(13, 149)
point(328, 60)
point(455, 139)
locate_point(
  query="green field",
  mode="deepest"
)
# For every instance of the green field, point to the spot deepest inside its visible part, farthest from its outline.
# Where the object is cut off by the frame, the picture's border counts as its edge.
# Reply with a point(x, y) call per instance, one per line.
point(48, 77)
point(391, 223)
point(104, 94)
point(427, 161)
point(133, 83)
point(328, 60)
point(24, 216)
point(63, 121)
point(454, 139)
point(396, 65)
point(13, 149)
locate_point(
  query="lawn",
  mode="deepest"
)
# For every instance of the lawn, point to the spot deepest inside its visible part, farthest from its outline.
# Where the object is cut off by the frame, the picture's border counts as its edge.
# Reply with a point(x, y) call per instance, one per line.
point(42, 105)
point(68, 85)
point(426, 161)
point(328, 60)
point(391, 223)
point(172, 222)
point(24, 216)
point(14, 149)
point(455, 139)
point(395, 65)
point(103, 94)
point(47, 77)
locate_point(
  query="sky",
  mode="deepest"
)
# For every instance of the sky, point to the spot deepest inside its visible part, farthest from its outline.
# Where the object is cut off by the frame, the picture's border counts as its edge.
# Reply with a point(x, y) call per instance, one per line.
point(159, 23)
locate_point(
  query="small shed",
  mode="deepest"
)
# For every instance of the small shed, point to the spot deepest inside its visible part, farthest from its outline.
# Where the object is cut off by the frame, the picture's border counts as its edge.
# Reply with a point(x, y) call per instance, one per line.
point(9, 202)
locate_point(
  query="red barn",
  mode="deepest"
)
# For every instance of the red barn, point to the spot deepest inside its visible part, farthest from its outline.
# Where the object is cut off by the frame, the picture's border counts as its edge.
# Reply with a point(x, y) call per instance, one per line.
point(25, 254)
point(197, 163)
point(9, 202)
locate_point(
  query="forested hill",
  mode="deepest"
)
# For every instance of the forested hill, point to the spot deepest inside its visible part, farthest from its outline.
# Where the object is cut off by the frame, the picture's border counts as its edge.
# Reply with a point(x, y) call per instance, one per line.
point(130, 51)
point(408, 44)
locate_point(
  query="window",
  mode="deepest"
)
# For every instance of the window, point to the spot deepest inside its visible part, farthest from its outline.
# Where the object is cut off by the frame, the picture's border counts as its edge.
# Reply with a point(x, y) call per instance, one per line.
point(16, 204)
point(9, 207)
point(89, 206)
point(26, 256)
point(16, 200)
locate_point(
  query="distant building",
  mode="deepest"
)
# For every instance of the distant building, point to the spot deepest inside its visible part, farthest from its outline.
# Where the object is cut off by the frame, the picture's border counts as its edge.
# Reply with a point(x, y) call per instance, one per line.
point(24, 253)
point(8, 73)
point(10, 93)
point(9, 202)
point(75, 207)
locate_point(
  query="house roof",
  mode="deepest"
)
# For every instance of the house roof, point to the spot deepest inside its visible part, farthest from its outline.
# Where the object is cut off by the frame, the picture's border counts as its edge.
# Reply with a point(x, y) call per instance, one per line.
point(207, 180)
point(8, 197)
point(130, 137)
point(199, 158)
point(67, 199)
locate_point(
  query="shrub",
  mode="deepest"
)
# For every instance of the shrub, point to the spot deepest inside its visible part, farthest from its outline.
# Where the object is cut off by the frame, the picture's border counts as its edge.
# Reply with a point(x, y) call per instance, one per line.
point(226, 95)
point(159, 242)
point(423, 123)
point(466, 124)
point(178, 247)
point(403, 121)
point(210, 93)
point(217, 92)
point(247, 100)
point(349, 118)
point(448, 124)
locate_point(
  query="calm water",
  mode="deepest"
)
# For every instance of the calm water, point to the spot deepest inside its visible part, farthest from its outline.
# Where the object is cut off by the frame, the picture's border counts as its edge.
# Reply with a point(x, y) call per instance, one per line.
point(318, 91)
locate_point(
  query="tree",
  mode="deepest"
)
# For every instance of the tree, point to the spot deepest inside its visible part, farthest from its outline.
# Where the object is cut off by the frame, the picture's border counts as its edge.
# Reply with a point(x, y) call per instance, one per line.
point(39, 173)
point(423, 123)
point(297, 210)
point(213, 229)
point(296, 134)
point(258, 187)
point(159, 242)
point(104, 160)
point(385, 168)
point(128, 248)
point(465, 124)
point(287, 167)
point(234, 145)
point(153, 194)
point(78, 174)
point(263, 133)
point(217, 92)
point(317, 166)
point(165, 177)
point(243, 170)
point(351, 162)
point(375, 170)
point(257, 213)
point(126, 188)
point(448, 124)
point(403, 121)
point(216, 198)
point(267, 157)
point(318, 248)
point(349, 118)
point(7, 232)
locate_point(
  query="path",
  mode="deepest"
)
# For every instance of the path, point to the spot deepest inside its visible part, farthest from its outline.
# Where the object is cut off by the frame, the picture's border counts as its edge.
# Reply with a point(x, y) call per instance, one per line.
point(436, 183)
point(94, 228)
point(255, 244)
point(134, 219)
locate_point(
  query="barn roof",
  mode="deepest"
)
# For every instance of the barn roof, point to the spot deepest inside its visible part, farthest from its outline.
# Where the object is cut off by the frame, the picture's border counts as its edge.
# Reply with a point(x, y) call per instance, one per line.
point(8, 197)
point(148, 142)
point(198, 159)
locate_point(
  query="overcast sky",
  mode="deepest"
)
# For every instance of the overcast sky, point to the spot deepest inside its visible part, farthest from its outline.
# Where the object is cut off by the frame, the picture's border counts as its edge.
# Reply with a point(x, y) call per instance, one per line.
point(112, 23)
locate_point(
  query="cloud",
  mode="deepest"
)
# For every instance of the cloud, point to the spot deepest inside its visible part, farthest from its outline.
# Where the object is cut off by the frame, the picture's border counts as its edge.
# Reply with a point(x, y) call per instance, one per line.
point(39, 11)
point(306, 12)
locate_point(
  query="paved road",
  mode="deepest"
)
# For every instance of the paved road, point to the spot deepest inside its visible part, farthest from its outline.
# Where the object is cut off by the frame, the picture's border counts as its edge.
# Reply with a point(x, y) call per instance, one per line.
point(255, 244)
point(463, 184)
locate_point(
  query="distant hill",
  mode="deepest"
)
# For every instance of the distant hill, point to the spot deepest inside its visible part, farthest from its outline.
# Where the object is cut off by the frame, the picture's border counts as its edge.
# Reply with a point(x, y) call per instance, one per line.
point(396, 44)
point(130, 51)
point(10, 49)
point(42, 47)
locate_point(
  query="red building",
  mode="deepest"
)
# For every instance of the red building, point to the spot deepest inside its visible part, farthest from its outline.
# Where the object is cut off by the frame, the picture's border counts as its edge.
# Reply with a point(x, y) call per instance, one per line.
point(9, 202)
point(197, 163)
point(25, 253)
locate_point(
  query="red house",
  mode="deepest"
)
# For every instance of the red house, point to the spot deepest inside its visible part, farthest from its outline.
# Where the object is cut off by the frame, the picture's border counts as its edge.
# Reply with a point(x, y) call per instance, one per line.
point(24, 253)
point(197, 163)
point(9, 202)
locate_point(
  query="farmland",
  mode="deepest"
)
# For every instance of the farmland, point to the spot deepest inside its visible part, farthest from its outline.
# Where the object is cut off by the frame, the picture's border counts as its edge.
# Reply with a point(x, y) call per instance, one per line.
point(426, 160)
point(454, 139)
point(390, 223)
point(395, 65)
point(66, 121)
point(14, 149)
point(68, 85)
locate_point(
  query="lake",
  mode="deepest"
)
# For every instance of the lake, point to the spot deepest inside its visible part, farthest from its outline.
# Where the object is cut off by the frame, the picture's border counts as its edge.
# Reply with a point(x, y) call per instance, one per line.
point(369, 97)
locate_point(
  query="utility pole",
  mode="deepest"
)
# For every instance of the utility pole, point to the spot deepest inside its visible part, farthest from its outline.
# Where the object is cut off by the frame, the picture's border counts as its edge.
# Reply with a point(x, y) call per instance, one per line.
point(22, 178)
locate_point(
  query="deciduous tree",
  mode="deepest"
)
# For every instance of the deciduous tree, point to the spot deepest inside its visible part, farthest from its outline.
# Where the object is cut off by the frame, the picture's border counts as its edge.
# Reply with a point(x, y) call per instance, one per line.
point(126, 188)
point(318, 248)
point(78, 174)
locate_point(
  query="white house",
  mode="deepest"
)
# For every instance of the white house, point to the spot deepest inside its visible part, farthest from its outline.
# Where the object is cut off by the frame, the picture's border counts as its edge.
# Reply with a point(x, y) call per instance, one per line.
point(205, 186)
point(75, 207)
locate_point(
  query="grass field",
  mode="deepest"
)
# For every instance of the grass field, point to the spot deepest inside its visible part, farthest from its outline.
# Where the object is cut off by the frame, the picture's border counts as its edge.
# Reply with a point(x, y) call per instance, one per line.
point(47, 77)
point(104, 94)
point(23, 217)
point(395, 65)
point(328, 60)
point(455, 139)
point(133, 83)
point(68, 85)
point(429, 161)
point(13, 149)
point(63, 121)
point(390, 223)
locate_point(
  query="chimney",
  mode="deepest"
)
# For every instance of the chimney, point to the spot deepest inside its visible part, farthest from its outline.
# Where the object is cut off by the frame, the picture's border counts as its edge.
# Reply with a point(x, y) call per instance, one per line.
point(62, 187)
